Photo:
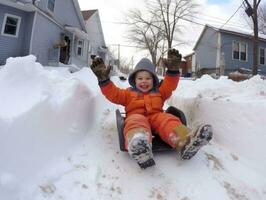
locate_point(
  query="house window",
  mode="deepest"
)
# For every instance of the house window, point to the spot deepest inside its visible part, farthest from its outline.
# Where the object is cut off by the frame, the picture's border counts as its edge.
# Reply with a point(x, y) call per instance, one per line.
point(51, 4)
point(11, 25)
point(80, 45)
point(236, 51)
point(262, 56)
point(239, 51)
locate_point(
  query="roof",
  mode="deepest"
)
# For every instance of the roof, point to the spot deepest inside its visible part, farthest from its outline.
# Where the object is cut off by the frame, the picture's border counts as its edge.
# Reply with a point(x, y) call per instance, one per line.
point(242, 32)
point(88, 13)
point(230, 30)
point(76, 5)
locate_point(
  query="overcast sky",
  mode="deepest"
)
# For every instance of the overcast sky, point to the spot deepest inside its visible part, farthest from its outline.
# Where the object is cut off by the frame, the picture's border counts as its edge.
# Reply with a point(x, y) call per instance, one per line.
point(112, 13)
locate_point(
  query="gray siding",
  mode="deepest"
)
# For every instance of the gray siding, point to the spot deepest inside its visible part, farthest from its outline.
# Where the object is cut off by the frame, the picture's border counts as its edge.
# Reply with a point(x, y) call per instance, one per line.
point(42, 5)
point(94, 30)
point(227, 48)
point(67, 18)
point(15, 46)
point(45, 35)
point(262, 68)
point(64, 12)
point(232, 64)
point(46, 28)
point(206, 51)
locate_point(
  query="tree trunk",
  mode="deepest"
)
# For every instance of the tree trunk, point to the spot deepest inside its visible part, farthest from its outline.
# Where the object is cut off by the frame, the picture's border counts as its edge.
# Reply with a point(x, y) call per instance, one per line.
point(255, 39)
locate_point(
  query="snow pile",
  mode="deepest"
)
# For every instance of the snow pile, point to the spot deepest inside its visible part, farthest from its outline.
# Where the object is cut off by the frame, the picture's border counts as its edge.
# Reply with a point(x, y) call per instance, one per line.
point(42, 115)
point(234, 109)
point(58, 140)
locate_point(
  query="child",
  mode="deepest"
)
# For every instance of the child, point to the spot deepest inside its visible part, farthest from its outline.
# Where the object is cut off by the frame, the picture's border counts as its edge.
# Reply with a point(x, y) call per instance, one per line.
point(143, 103)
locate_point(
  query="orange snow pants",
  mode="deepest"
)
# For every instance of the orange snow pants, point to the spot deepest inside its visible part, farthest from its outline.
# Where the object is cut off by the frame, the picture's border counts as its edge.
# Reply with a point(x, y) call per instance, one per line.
point(161, 123)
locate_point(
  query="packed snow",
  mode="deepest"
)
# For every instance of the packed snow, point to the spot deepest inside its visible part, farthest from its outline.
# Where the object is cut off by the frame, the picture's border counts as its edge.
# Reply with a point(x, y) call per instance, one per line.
point(58, 140)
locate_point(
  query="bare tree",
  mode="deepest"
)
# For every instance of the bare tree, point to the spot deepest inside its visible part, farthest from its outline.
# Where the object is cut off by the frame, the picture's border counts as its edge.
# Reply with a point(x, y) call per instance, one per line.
point(169, 12)
point(262, 19)
point(143, 32)
point(161, 23)
point(252, 11)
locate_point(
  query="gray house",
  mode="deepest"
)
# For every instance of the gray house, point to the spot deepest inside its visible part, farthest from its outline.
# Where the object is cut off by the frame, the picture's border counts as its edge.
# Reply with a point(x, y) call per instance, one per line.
point(94, 29)
point(52, 30)
point(221, 51)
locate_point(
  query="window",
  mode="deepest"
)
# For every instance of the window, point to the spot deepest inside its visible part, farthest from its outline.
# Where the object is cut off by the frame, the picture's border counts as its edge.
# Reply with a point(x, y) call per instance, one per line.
point(235, 50)
point(262, 56)
point(80, 47)
point(51, 4)
point(239, 51)
point(11, 25)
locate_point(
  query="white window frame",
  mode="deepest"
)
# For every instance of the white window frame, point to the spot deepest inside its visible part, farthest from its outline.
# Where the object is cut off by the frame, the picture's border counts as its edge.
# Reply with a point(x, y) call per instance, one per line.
point(263, 55)
point(240, 50)
point(80, 46)
point(4, 25)
point(52, 11)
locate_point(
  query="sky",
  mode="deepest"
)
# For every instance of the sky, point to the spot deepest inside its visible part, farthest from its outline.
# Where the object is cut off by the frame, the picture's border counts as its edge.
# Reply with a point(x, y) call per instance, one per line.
point(58, 139)
point(113, 12)
point(217, 2)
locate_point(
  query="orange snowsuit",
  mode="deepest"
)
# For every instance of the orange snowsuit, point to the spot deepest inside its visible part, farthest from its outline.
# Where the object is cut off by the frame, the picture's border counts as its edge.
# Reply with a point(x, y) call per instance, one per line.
point(145, 110)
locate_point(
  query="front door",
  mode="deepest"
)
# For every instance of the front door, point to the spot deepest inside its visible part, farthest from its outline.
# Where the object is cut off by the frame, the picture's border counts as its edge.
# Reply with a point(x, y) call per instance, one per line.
point(65, 51)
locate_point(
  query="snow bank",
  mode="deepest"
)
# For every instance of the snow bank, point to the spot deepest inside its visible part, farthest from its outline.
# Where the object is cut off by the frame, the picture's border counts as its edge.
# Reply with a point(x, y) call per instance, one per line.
point(234, 109)
point(41, 114)
point(58, 139)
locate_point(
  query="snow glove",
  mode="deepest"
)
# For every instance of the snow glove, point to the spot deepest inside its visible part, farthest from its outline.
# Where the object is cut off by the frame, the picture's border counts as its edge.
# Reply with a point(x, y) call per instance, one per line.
point(100, 70)
point(173, 60)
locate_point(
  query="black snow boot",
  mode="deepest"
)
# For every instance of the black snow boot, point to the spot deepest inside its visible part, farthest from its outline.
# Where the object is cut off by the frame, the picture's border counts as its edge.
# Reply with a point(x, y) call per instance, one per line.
point(197, 139)
point(140, 149)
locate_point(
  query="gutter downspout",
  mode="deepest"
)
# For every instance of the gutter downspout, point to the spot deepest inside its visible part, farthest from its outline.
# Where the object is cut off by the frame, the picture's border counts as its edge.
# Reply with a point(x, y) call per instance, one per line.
point(218, 53)
point(32, 32)
point(72, 49)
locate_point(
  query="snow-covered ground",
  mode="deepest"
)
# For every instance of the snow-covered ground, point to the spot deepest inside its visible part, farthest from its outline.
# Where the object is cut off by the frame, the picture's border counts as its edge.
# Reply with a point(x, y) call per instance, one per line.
point(58, 140)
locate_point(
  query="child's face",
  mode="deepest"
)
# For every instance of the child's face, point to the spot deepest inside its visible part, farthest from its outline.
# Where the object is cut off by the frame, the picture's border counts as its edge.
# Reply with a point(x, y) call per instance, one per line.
point(144, 81)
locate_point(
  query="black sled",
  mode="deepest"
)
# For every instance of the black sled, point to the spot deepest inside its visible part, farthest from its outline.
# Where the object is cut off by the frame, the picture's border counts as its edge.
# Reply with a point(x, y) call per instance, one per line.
point(157, 144)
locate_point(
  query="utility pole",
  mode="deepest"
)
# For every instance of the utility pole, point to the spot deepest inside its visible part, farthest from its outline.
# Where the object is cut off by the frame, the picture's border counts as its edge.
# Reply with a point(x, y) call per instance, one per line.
point(132, 62)
point(253, 13)
point(118, 61)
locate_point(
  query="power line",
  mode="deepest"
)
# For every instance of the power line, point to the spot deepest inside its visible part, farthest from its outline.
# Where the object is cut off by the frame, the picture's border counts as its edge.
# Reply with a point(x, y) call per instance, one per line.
point(182, 18)
point(191, 21)
point(232, 15)
point(214, 17)
point(125, 45)
point(115, 22)
point(217, 20)
point(194, 22)
point(223, 24)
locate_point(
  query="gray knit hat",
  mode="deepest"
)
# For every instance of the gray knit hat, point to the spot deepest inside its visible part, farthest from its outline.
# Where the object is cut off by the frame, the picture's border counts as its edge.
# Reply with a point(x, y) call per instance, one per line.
point(146, 65)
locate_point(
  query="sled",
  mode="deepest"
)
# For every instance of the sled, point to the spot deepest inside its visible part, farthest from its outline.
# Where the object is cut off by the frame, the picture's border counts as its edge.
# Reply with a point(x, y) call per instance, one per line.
point(158, 145)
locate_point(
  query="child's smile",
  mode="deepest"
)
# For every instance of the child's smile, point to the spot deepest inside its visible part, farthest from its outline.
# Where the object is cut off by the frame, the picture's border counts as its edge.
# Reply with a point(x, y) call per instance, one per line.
point(144, 81)
point(144, 87)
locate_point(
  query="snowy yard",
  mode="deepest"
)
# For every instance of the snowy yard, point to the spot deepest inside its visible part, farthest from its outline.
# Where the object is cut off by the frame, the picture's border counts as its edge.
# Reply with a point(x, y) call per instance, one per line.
point(58, 140)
